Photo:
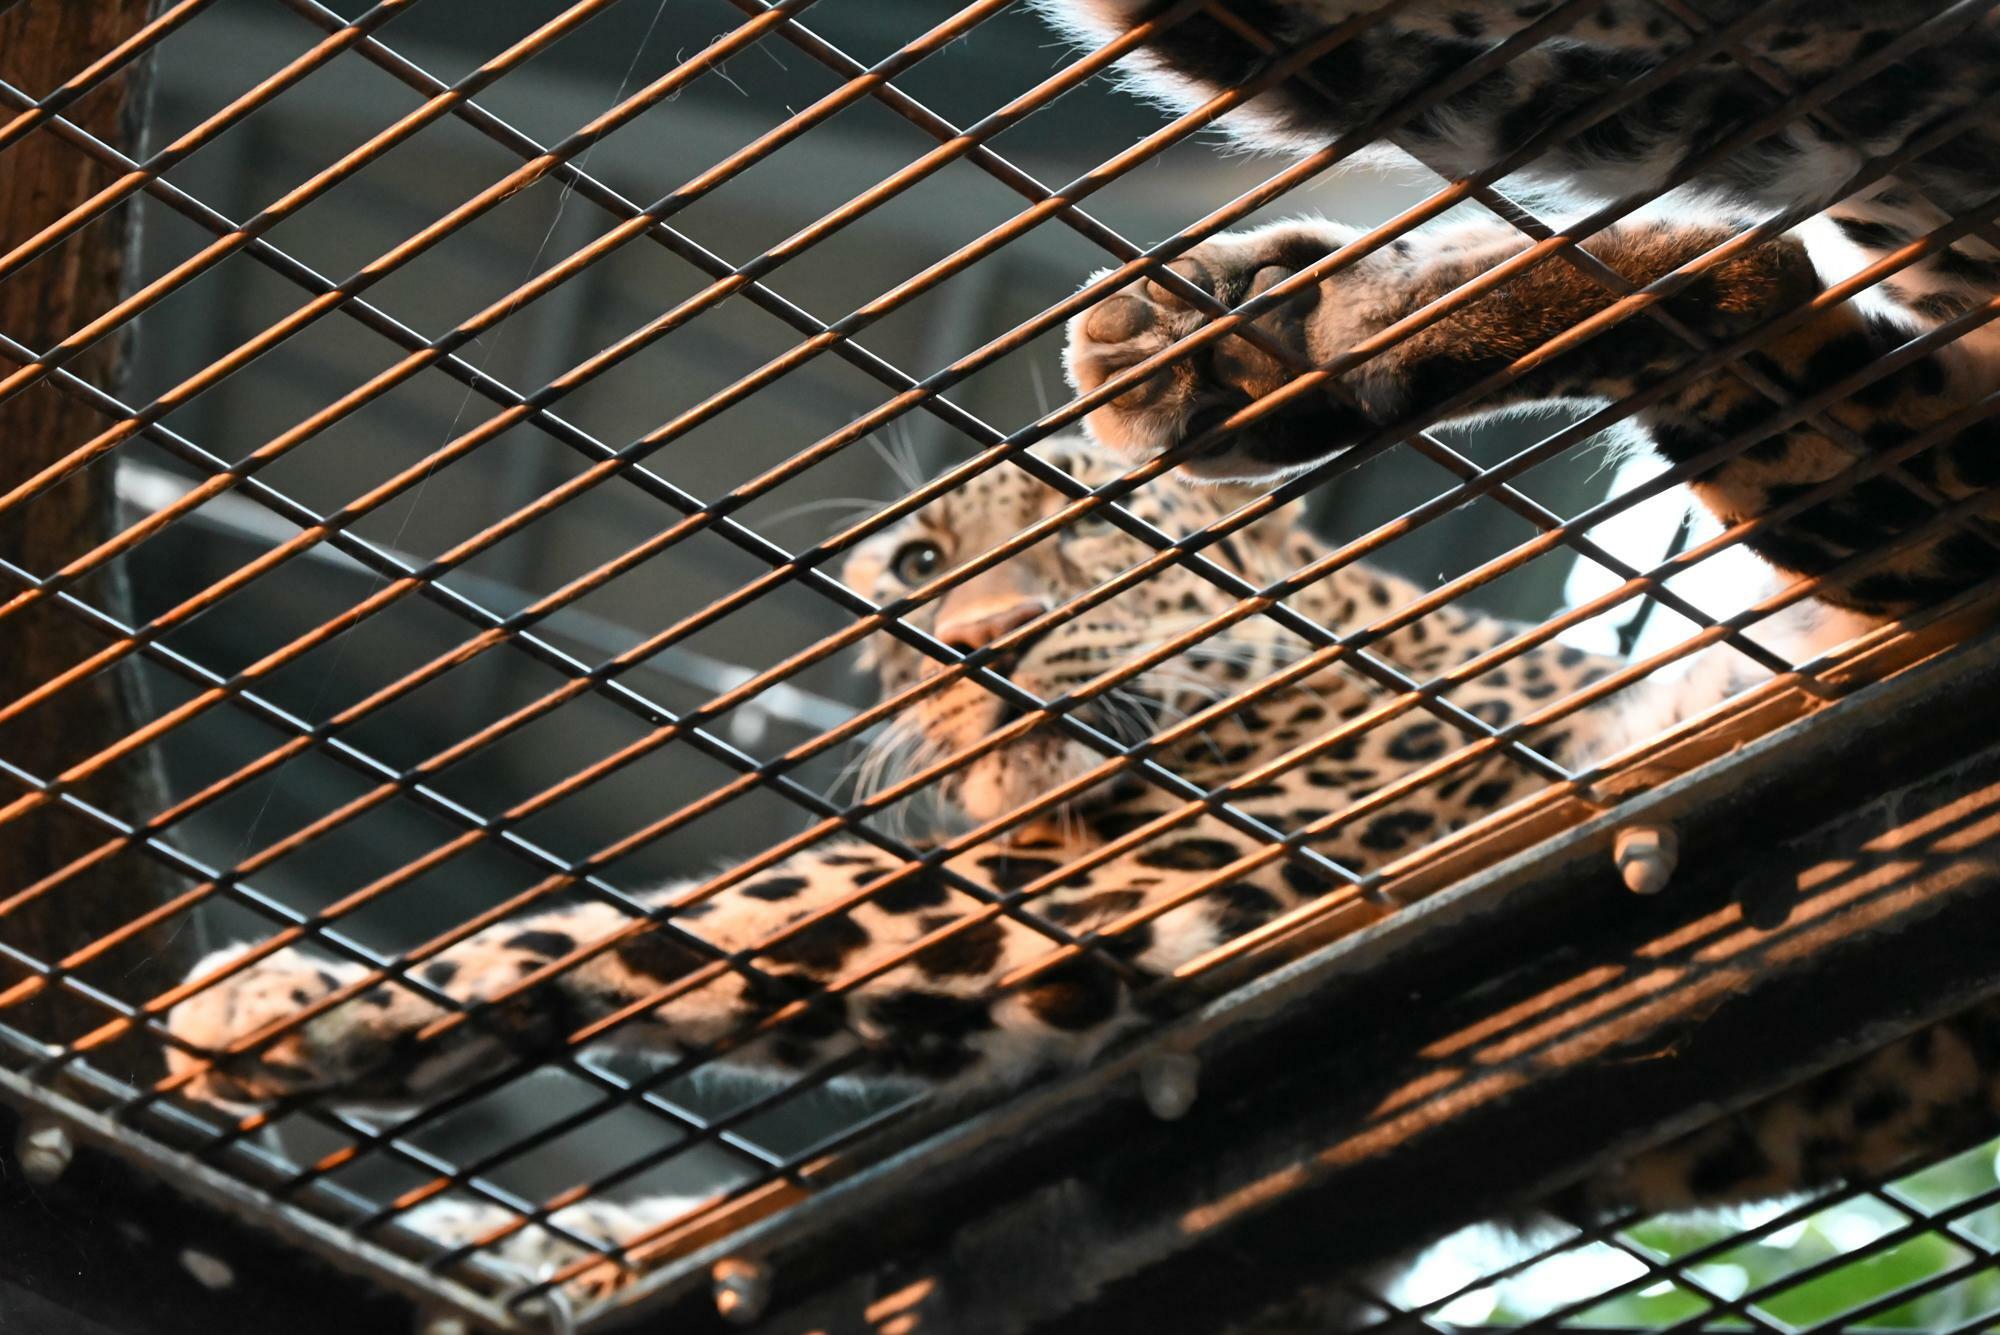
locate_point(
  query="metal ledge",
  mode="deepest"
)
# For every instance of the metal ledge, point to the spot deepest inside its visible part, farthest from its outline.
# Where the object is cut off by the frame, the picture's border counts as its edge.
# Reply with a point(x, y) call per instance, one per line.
point(1536, 1005)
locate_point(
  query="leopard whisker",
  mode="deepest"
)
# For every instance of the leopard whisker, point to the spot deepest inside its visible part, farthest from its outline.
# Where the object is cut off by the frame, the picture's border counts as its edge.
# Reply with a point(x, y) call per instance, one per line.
point(900, 454)
point(900, 748)
point(1160, 702)
point(852, 506)
point(1129, 712)
point(1172, 713)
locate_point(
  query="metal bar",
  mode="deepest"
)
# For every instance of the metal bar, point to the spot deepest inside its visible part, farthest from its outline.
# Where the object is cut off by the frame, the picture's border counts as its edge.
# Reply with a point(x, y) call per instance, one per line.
point(145, 38)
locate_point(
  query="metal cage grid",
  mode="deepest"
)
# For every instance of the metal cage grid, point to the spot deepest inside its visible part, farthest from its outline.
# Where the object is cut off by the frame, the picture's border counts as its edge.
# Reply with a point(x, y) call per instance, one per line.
point(771, 1178)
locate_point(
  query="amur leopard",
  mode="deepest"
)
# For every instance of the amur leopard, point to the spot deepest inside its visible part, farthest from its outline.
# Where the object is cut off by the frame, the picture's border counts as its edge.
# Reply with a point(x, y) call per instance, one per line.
point(948, 1019)
point(974, 1005)
point(943, 1019)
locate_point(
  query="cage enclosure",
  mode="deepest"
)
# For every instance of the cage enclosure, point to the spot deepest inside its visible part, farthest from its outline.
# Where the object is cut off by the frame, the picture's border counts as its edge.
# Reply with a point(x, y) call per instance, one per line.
point(832, 667)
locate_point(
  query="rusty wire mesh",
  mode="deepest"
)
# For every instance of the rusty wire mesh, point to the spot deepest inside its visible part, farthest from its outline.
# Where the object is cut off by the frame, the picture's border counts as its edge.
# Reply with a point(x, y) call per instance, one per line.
point(246, 459)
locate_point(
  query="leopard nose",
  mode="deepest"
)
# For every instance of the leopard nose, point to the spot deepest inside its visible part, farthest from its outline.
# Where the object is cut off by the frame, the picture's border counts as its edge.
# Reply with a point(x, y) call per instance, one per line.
point(977, 627)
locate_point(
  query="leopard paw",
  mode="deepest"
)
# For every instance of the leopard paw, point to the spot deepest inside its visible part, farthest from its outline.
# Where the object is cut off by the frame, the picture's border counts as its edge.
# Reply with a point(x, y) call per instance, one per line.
point(1195, 392)
point(344, 1047)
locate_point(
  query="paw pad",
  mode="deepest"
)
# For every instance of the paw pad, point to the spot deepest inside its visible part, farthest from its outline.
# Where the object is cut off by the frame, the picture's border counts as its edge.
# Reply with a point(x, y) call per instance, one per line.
point(1171, 405)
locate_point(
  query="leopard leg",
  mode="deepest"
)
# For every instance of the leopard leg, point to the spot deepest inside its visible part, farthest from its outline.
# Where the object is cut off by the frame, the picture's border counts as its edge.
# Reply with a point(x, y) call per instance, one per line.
point(1505, 335)
point(263, 1030)
point(930, 1014)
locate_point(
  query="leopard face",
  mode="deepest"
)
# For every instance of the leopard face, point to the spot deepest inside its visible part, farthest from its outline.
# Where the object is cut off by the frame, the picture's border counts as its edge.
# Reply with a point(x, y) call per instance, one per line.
point(1053, 661)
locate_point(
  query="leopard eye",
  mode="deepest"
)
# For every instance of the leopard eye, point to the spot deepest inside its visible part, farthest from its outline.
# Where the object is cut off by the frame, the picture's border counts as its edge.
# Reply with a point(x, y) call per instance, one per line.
point(917, 561)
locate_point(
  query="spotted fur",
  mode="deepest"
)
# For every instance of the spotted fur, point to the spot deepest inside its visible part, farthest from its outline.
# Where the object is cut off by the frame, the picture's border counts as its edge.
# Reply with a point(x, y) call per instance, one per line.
point(1942, 72)
point(1879, 544)
point(1839, 359)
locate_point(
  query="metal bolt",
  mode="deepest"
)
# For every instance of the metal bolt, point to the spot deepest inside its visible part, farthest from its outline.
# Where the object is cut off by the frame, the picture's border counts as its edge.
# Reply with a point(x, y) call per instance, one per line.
point(551, 1309)
point(1646, 856)
point(742, 1289)
point(209, 1271)
point(1170, 1081)
point(44, 1150)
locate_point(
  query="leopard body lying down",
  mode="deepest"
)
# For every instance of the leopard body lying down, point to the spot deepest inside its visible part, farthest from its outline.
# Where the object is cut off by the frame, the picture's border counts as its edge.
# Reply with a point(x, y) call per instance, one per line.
point(907, 964)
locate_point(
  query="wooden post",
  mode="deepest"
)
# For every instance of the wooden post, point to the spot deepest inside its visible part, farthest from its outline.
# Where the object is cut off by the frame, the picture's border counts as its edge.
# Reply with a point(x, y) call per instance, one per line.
point(43, 43)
